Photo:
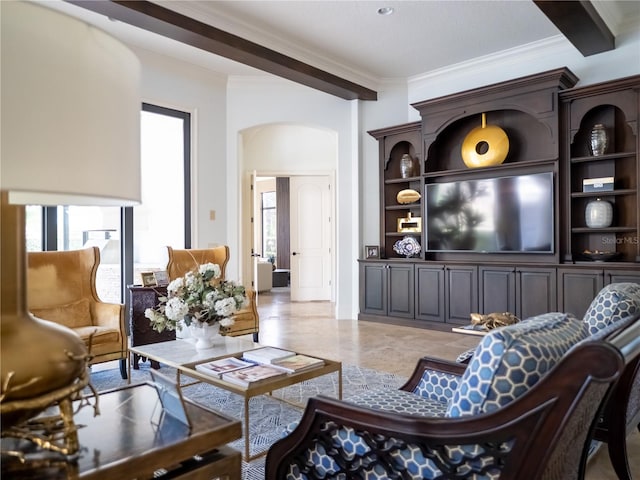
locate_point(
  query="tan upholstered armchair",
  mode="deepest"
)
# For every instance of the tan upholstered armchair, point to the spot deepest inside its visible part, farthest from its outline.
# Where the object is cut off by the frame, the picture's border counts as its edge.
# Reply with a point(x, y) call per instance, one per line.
point(182, 261)
point(61, 287)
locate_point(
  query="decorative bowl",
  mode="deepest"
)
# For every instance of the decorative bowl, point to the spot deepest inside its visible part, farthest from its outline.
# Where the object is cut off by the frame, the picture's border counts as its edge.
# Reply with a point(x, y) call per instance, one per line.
point(408, 246)
point(600, 256)
point(408, 196)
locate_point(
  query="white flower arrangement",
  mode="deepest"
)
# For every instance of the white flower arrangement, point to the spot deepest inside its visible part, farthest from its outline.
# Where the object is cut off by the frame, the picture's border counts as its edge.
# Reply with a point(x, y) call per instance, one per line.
point(200, 296)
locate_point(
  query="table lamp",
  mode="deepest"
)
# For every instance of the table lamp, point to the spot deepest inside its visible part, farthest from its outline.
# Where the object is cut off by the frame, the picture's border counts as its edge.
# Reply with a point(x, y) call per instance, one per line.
point(70, 136)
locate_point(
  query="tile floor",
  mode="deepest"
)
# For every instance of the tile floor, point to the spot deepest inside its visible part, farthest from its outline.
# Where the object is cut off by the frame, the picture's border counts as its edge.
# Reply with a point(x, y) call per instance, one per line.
point(311, 328)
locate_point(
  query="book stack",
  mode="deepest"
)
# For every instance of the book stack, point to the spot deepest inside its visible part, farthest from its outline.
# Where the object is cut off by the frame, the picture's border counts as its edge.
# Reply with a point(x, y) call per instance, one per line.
point(218, 367)
point(267, 355)
point(253, 374)
point(298, 363)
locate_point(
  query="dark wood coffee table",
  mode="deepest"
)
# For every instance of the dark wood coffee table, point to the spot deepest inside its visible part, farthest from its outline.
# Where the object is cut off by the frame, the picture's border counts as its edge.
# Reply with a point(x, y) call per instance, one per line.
point(124, 442)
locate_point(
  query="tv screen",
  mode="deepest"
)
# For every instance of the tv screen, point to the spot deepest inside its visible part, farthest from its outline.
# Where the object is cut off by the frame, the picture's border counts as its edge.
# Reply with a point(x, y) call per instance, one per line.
point(504, 214)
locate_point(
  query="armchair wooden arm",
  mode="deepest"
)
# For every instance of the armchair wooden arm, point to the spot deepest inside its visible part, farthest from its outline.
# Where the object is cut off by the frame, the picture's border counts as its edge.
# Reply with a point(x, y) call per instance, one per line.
point(434, 364)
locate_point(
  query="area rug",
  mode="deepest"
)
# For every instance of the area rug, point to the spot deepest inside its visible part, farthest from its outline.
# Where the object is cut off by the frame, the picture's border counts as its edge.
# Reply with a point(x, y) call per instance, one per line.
point(268, 416)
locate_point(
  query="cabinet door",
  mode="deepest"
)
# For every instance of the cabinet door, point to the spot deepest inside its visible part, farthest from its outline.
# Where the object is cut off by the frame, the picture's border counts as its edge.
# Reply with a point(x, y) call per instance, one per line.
point(430, 293)
point(497, 289)
point(373, 288)
point(578, 289)
point(536, 292)
point(621, 277)
point(461, 294)
point(401, 291)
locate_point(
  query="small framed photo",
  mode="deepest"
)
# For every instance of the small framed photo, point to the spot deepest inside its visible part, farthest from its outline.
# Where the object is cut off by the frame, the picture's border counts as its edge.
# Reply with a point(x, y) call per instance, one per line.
point(170, 396)
point(148, 279)
point(161, 278)
point(371, 251)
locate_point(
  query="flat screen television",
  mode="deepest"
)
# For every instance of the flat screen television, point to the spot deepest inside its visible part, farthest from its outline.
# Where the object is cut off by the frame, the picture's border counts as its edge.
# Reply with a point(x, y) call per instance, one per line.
point(495, 215)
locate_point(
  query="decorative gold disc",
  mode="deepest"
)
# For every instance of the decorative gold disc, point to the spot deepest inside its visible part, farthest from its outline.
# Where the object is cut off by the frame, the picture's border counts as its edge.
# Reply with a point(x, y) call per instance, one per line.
point(485, 146)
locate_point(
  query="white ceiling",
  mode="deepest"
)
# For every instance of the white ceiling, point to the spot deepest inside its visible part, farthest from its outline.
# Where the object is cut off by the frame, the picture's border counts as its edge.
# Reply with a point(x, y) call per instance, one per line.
point(350, 39)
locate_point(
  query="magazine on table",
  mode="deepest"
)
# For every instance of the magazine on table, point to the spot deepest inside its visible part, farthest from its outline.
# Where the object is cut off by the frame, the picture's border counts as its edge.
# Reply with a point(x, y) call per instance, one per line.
point(267, 354)
point(253, 374)
point(298, 363)
point(218, 367)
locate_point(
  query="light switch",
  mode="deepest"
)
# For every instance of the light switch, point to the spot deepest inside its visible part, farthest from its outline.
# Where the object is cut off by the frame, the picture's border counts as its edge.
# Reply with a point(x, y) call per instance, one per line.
point(212, 214)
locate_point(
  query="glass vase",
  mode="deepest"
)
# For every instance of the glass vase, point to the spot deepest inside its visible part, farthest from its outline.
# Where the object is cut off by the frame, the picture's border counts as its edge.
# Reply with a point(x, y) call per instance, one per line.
point(599, 140)
point(406, 166)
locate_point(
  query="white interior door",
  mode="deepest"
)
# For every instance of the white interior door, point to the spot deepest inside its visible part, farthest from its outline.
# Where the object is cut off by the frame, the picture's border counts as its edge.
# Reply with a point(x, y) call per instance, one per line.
point(310, 233)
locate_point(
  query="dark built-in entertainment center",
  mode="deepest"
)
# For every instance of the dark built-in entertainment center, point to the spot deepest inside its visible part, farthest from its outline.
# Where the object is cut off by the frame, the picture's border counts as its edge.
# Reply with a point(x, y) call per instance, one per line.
point(513, 236)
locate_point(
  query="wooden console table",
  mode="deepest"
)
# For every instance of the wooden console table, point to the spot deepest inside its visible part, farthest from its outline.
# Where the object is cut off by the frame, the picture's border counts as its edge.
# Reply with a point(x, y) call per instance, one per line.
point(123, 442)
point(140, 331)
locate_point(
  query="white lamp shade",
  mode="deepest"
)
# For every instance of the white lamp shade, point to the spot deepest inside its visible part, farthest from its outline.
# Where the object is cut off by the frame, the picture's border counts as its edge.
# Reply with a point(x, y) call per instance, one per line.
point(70, 111)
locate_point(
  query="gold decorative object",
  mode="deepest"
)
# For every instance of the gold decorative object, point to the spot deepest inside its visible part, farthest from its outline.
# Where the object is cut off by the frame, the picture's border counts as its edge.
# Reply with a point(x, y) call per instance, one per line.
point(84, 154)
point(493, 320)
point(408, 196)
point(410, 224)
point(485, 146)
point(44, 364)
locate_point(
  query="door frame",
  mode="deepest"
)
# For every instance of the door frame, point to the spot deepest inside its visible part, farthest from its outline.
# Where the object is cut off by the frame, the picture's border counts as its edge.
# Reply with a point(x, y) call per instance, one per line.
point(246, 233)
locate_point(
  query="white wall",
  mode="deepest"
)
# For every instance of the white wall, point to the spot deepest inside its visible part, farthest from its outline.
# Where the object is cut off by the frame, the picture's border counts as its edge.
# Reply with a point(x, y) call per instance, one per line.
point(264, 101)
point(183, 86)
point(289, 147)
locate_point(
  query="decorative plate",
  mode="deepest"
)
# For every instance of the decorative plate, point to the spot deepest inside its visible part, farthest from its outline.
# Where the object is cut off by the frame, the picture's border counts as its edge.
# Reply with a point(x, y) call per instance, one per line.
point(408, 246)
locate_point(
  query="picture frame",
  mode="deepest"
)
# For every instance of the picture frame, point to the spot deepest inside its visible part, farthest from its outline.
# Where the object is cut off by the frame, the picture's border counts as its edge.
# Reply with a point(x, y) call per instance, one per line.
point(371, 251)
point(148, 279)
point(410, 224)
point(161, 278)
point(170, 397)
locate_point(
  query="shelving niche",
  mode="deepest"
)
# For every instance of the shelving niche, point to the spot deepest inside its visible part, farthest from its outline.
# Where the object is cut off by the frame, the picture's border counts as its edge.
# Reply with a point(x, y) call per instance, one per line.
point(614, 105)
point(394, 142)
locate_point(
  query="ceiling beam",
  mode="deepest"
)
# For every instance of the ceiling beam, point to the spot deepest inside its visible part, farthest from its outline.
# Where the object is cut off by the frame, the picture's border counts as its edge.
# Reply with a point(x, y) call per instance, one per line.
point(154, 18)
point(580, 23)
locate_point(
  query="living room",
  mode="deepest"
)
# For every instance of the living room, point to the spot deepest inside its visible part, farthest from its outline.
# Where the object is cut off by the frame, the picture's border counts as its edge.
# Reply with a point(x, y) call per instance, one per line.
point(228, 110)
point(227, 107)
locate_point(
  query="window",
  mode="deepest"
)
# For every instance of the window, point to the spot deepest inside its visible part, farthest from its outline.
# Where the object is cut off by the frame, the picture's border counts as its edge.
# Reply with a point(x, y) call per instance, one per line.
point(142, 232)
point(268, 207)
point(163, 216)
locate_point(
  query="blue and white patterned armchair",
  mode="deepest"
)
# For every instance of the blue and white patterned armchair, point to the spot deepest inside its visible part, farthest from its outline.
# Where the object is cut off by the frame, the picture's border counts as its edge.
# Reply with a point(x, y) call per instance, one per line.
point(517, 411)
point(621, 414)
point(614, 302)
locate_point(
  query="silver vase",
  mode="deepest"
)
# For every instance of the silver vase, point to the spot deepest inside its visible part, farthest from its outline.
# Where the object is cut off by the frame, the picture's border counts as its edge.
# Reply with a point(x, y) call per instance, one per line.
point(406, 166)
point(599, 140)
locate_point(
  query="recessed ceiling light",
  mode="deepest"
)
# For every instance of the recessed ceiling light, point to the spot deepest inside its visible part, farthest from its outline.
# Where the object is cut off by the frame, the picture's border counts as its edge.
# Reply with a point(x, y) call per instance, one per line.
point(385, 11)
